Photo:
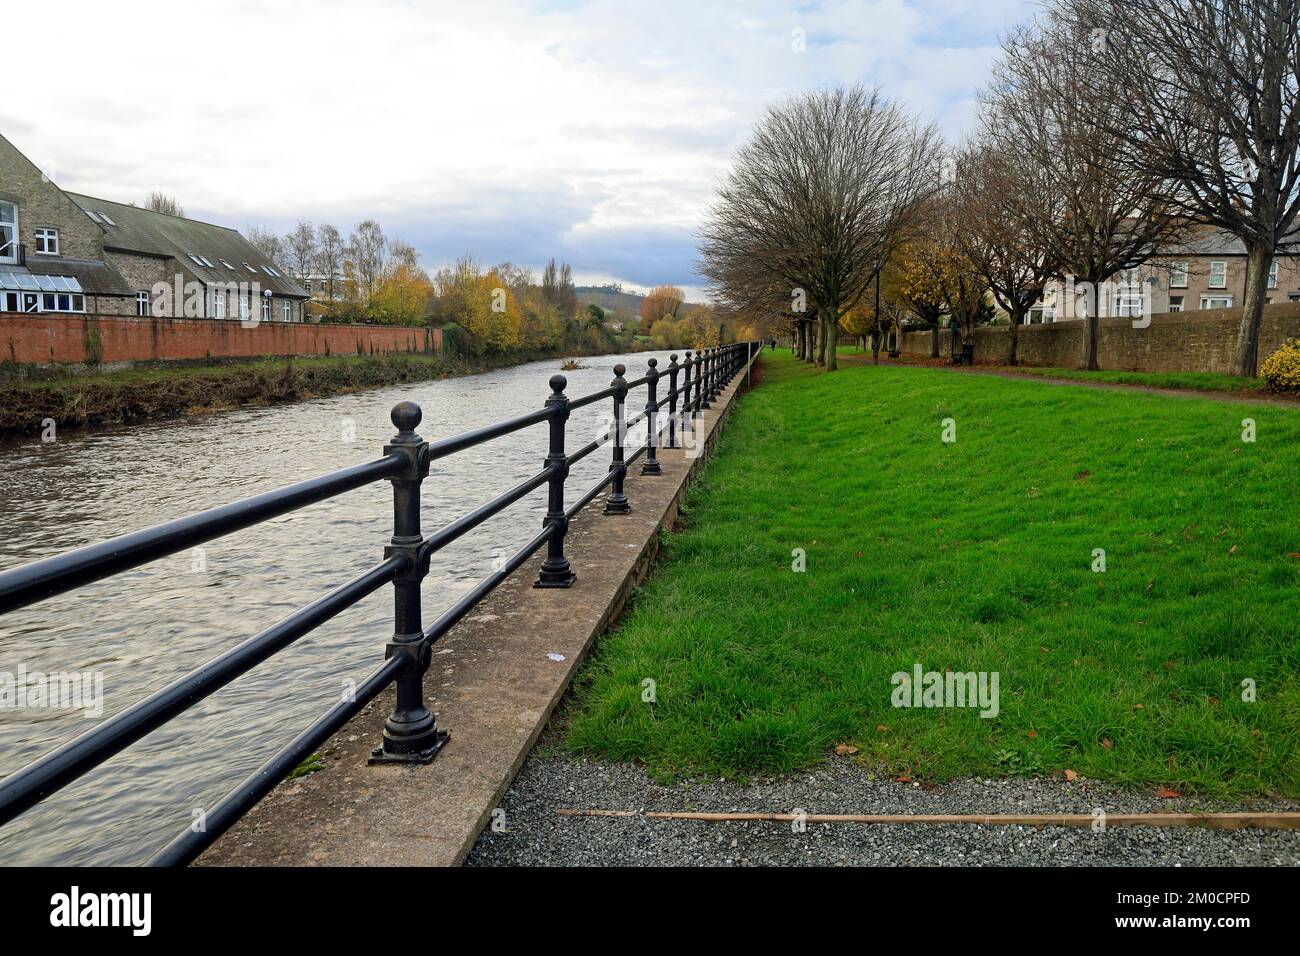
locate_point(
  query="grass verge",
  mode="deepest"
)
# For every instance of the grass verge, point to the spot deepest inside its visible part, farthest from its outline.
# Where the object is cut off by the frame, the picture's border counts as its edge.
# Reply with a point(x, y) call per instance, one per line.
point(973, 556)
point(1194, 381)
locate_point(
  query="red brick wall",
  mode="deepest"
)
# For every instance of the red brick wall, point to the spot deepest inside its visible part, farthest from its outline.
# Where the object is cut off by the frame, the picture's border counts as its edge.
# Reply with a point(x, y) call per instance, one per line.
point(1197, 341)
point(74, 339)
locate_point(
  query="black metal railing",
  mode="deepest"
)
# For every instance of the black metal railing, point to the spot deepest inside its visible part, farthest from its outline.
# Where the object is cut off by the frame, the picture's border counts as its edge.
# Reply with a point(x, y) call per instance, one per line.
point(411, 733)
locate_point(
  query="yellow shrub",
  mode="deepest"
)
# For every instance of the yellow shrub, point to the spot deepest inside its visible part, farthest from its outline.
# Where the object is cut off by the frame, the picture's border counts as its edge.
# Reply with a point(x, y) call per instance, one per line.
point(1282, 369)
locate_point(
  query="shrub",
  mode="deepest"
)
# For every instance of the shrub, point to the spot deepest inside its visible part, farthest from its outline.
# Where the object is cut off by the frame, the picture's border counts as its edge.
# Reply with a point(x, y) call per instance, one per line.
point(1281, 370)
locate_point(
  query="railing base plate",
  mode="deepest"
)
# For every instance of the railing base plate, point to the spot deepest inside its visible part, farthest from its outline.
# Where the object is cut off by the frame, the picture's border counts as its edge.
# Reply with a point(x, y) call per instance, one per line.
point(381, 756)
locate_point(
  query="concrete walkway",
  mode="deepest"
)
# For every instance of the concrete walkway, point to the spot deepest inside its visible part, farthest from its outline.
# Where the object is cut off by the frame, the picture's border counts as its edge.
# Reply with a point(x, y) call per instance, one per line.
point(495, 679)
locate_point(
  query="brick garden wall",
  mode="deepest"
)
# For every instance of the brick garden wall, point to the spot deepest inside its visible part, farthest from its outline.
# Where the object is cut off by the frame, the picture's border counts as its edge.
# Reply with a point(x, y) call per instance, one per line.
point(113, 340)
point(1199, 341)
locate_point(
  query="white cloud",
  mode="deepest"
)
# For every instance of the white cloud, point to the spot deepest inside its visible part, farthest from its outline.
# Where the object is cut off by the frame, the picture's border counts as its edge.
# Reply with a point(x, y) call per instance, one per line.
point(593, 131)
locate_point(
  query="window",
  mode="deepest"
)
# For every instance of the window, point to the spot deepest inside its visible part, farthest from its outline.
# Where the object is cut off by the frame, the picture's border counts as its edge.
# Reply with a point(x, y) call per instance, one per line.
point(1128, 305)
point(1272, 275)
point(218, 305)
point(62, 302)
point(244, 311)
point(196, 260)
point(8, 232)
point(1218, 275)
point(207, 262)
point(1216, 302)
point(288, 312)
point(1178, 275)
point(250, 268)
point(307, 284)
point(104, 216)
point(47, 242)
point(227, 265)
point(266, 310)
point(10, 302)
point(93, 216)
point(142, 304)
point(1175, 303)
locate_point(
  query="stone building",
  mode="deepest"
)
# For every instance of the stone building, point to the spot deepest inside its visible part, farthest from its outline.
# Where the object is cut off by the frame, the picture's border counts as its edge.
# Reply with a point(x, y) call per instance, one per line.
point(68, 253)
point(1206, 271)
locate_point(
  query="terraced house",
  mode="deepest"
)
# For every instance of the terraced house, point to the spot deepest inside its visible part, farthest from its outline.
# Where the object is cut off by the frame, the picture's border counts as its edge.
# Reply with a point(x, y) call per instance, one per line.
point(1205, 271)
point(63, 252)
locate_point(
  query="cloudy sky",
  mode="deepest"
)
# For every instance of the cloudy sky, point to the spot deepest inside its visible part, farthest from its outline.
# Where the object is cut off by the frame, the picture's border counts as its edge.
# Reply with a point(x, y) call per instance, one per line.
point(591, 131)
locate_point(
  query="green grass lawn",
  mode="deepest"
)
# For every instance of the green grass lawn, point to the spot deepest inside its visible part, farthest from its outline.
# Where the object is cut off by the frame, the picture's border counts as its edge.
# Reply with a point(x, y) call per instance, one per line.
point(1198, 381)
point(972, 556)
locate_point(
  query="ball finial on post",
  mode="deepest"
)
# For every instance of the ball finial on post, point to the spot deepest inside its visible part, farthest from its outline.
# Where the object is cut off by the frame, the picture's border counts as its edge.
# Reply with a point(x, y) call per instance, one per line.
point(406, 416)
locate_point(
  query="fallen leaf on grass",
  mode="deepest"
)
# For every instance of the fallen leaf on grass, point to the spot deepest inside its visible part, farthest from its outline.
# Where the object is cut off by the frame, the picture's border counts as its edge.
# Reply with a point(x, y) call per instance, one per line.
point(1033, 734)
point(1139, 707)
point(903, 778)
point(1296, 555)
point(845, 750)
point(1105, 742)
point(1071, 775)
point(881, 728)
point(1233, 549)
point(1166, 794)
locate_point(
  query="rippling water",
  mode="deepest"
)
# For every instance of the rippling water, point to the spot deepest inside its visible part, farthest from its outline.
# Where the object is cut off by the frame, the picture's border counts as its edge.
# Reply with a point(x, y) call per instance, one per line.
point(146, 627)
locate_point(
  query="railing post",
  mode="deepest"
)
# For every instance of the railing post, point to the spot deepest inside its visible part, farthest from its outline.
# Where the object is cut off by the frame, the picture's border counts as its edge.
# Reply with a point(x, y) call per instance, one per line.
point(672, 401)
point(710, 363)
point(617, 503)
point(651, 464)
point(699, 382)
point(411, 734)
point(556, 572)
point(687, 425)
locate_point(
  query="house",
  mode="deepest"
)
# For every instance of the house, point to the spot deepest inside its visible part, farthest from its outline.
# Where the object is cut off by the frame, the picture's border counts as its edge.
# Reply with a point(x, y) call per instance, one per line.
point(65, 252)
point(1206, 271)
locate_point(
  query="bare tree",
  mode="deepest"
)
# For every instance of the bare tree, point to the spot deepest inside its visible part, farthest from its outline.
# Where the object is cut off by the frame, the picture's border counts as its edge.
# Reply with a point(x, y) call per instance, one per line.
point(402, 254)
point(814, 201)
point(329, 255)
point(300, 250)
point(1212, 91)
point(267, 243)
point(164, 203)
point(366, 253)
point(1087, 212)
point(999, 246)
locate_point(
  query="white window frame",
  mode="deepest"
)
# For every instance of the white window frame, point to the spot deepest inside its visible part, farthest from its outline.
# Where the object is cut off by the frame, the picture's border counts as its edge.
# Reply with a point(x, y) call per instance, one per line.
point(1272, 275)
point(218, 305)
point(266, 310)
point(245, 310)
point(287, 308)
point(1206, 301)
point(1129, 305)
point(143, 307)
point(13, 258)
point(1178, 275)
point(43, 236)
point(1179, 305)
point(1222, 266)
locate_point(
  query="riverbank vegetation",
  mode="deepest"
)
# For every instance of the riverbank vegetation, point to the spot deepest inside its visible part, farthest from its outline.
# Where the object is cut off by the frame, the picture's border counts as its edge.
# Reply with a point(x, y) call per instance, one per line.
point(1126, 563)
point(148, 393)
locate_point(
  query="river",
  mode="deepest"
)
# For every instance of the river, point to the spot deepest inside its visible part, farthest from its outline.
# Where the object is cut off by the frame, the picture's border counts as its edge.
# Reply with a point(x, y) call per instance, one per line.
point(144, 628)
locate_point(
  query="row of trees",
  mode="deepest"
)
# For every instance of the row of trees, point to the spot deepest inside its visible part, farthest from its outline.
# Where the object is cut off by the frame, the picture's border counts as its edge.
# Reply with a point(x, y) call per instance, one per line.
point(1107, 132)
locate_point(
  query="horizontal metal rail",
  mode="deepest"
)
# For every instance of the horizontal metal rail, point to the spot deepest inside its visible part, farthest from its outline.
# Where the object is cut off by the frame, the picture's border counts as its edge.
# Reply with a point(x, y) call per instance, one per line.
point(410, 734)
point(51, 576)
point(187, 847)
point(58, 768)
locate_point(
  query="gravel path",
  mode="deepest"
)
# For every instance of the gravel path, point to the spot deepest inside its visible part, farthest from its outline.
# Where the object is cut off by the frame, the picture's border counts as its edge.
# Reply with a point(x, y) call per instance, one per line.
point(535, 835)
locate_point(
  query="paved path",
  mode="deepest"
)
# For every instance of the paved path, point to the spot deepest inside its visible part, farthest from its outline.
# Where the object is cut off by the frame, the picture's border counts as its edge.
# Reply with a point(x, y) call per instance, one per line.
point(496, 677)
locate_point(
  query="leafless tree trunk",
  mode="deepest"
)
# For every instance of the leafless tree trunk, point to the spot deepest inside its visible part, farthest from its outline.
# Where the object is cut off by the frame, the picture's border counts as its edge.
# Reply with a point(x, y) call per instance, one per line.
point(1212, 97)
point(815, 197)
point(1051, 100)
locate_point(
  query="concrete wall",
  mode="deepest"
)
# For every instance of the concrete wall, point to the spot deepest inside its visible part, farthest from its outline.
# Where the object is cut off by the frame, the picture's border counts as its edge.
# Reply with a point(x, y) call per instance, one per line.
point(1200, 341)
point(75, 339)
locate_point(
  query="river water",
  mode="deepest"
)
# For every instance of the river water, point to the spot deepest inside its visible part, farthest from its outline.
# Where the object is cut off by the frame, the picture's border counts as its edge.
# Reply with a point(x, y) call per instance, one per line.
point(146, 627)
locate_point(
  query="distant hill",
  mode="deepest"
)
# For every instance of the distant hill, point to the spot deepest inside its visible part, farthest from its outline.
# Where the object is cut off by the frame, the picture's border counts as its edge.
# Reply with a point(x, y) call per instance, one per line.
point(626, 305)
point(612, 299)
